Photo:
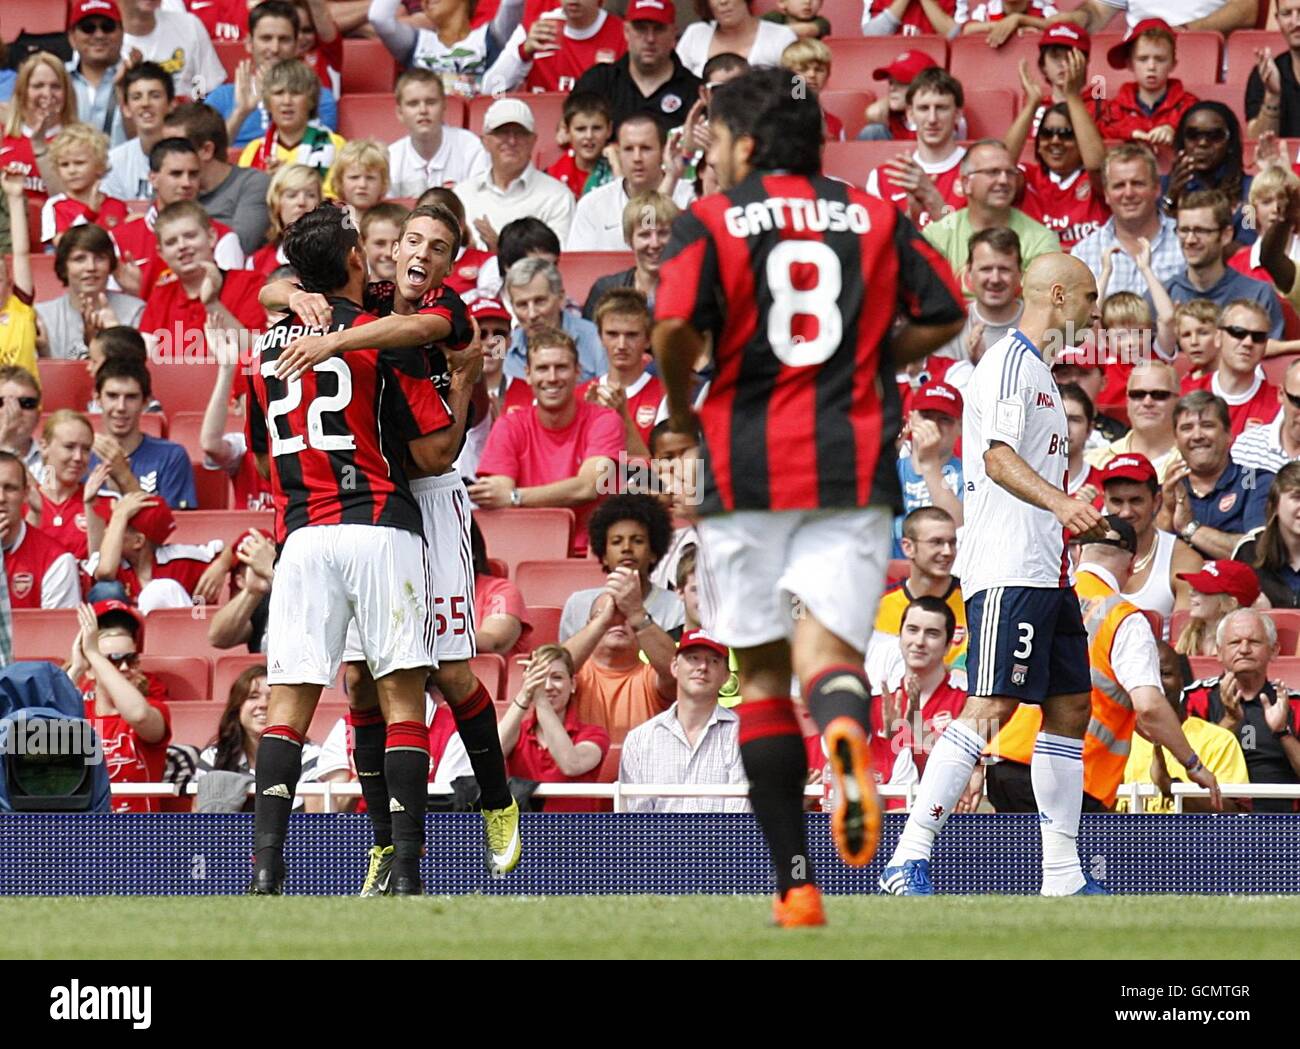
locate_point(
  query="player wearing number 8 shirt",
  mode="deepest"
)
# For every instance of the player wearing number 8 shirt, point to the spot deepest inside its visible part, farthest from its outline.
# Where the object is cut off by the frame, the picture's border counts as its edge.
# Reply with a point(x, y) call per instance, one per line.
point(1027, 642)
point(813, 294)
point(334, 444)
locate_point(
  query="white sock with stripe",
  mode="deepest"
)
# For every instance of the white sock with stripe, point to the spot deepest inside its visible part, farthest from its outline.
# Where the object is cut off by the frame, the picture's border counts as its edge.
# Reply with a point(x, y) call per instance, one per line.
point(1056, 770)
point(946, 774)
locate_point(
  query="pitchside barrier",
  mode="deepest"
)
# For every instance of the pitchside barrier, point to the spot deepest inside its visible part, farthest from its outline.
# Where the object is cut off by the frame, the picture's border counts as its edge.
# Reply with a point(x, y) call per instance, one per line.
point(620, 853)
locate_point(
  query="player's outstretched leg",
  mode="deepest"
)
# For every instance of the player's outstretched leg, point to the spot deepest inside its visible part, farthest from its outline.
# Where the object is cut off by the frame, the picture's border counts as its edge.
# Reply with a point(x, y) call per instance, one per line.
point(279, 764)
point(476, 721)
point(1056, 771)
point(406, 770)
point(947, 771)
point(369, 735)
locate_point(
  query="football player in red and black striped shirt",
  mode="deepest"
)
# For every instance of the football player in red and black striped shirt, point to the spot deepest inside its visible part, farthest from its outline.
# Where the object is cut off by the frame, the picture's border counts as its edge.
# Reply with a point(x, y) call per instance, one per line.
point(335, 441)
point(812, 293)
point(436, 324)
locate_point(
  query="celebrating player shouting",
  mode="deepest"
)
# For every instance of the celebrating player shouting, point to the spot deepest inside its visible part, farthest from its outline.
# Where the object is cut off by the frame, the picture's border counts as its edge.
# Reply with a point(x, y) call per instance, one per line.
point(353, 543)
point(432, 314)
point(1027, 638)
point(799, 280)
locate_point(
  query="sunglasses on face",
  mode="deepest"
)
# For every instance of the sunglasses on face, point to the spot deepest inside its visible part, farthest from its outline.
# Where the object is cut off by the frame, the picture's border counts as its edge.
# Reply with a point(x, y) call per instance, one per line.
point(1065, 134)
point(1241, 334)
point(1213, 134)
point(27, 404)
point(90, 26)
point(1159, 396)
point(1295, 401)
point(122, 659)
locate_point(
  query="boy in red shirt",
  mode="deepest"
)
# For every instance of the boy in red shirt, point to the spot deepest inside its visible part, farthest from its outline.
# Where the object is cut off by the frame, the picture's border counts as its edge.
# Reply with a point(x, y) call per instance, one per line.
point(1149, 107)
point(623, 321)
point(127, 708)
point(80, 155)
point(588, 123)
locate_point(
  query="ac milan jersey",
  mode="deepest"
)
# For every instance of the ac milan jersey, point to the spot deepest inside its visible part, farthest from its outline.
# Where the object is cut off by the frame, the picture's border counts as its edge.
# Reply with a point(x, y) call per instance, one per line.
point(945, 174)
point(60, 213)
point(336, 438)
point(1071, 207)
point(799, 279)
point(1012, 399)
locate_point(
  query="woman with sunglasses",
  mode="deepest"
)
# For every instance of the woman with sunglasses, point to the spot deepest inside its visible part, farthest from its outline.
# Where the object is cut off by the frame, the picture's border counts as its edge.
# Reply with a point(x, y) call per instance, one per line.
point(1208, 155)
point(1063, 188)
point(127, 707)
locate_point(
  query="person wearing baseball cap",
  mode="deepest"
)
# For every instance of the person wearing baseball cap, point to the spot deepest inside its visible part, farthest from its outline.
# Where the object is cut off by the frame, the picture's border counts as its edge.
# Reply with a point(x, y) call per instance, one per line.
point(1055, 47)
point(695, 740)
point(1149, 106)
point(512, 188)
point(931, 474)
point(135, 564)
point(887, 116)
point(1218, 587)
point(1132, 493)
point(95, 33)
point(649, 78)
point(127, 706)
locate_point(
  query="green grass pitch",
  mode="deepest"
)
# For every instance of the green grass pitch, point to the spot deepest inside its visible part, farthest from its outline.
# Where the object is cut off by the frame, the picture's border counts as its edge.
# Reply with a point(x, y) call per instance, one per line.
point(1160, 927)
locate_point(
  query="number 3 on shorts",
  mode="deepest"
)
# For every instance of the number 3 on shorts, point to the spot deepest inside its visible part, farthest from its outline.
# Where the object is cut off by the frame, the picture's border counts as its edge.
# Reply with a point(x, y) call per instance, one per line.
point(820, 301)
point(1026, 641)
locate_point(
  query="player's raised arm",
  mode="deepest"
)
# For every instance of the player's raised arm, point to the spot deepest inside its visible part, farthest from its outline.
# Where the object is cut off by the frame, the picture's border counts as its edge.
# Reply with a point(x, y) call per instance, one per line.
point(929, 300)
point(393, 332)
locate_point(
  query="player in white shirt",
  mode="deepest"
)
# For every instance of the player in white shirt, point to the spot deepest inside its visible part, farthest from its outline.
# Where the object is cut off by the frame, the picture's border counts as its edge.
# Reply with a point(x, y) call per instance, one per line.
point(1027, 639)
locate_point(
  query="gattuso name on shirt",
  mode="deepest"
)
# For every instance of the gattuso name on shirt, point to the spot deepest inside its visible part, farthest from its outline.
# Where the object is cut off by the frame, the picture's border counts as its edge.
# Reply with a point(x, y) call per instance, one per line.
point(798, 214)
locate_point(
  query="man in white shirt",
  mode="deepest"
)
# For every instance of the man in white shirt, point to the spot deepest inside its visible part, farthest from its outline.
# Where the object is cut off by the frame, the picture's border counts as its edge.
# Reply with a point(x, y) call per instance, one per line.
point(598, 220)
point(95, 33)
point(432, 154)
point(1269, 448)
point(147, 95)
point(176, 41)
point(512, 187)
point(693, 741)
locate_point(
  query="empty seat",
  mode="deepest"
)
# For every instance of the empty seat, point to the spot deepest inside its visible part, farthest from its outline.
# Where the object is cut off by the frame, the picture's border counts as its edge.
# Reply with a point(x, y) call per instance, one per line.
point(46, 285)
point(1275, 367)
point(188, 678)
point(183, 386)
point(231, 53)
point(526, 533)
point(370, 116)
point(227, 668)
point(853, 161)
point(195, 723)
point(1239, 54)
point(490, 669)
point(178, 631)
point(850, 107)
point(551, 582)
point(201, 526)
point(989, 112)
point(212, 488)
point(31, 16)
point(898, 570)
point(64, 384)
point(1229, 95)
point(44, 633)
point(545, 621)
point(368, 68)
point(609, 766)
point(976, 64)
point(581, 269)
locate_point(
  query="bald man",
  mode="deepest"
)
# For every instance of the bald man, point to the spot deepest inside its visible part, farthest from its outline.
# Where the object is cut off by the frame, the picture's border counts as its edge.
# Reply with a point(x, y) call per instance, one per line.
point(1027, 639)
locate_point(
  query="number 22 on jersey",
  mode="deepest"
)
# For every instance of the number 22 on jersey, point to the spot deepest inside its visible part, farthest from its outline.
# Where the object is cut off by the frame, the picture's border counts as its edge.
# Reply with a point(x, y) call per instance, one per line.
point(316, 436)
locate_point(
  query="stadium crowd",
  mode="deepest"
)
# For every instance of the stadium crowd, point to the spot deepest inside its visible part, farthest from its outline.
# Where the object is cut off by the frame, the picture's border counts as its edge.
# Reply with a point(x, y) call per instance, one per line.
point(155, 153)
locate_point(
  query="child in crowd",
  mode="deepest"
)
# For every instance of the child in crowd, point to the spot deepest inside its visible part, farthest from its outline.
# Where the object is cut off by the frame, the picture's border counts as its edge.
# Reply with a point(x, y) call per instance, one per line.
point(588, 123)
point(80, 155)
point(811, 59)
point(1001, 19)
point(1148, 107)
point(380, 228)
point(887, 116)
point(291, 93)
point(295, 190)
point(1131, 337)
point(1196, 322)
point(802, 16)
point(360, 176)
point(17, 286)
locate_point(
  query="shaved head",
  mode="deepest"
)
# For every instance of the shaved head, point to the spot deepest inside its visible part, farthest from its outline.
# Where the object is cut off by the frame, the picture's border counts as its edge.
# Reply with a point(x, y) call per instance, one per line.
point(1060, 295)
point(1056, 269)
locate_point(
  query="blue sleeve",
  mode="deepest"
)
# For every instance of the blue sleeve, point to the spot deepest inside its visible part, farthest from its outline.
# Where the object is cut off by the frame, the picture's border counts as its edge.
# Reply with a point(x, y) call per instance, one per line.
point(176, 480)
point(516, 365)
point(593, 360)
point(1257, 498)
point(222, 99)
point(1275, 323)
point(328, 109)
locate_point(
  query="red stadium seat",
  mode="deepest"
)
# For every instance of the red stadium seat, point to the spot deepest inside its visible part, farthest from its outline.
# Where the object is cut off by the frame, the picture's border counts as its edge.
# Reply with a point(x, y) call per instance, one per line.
point(201, 526)
point(548, 116)
point(370, 116)
point(526, 534)
point(368, 68)
point(195, 723)
point(855, 58)
point(552, 582)
point(46, 284)
point(34, 243)
point(1275, 367)
point(1200, 58)
point(1203, 666)
point(64, 384)
point(32, 16)
point(226, 668)
point(976, 64)
point(490, 669)
point(609, 766)
point(581, 269)
point(1157, 622)
point(850, 107)
point(845, 16)
point(178, 631)
point(1240, 55)
point(183, 386)
point(184, 429)
point(212, 488)
point(514, 680)
point(498, 568)
point(231, 53)
point(1286, 670)
point(989, 113)
point(188, 678)
point(44, 633)
point(854, 161)
point(545, 621)
point(1206, 91)
point(899, 569)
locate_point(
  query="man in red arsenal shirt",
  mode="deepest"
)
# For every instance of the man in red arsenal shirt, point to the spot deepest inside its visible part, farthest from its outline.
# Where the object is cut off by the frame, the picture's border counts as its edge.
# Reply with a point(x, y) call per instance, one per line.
point(926, 184)
point(552, 52)
point(174, 174)
point(41, 573)
point(127, 707)
point(798, 279)
point(196, 293)
point(352, 542)
point(1243, 337)
point(623, 320)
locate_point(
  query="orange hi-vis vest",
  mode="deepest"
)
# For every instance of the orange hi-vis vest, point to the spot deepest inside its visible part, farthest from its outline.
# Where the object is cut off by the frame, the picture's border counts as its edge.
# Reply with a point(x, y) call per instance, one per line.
point(1106, 745)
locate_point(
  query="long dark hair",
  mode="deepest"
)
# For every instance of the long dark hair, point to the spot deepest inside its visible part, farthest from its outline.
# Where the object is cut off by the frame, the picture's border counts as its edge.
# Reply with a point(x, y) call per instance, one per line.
point(1270, 551)
point(230, 733)
point(1230, 173)
point(1059, 109)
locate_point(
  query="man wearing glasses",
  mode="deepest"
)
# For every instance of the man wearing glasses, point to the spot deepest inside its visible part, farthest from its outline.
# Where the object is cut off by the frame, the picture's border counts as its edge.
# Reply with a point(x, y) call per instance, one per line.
point(95, 33)
point(1152, 392)
point(1205, 231)
point(20, 411)
point(1243, 335)
point(989, 181)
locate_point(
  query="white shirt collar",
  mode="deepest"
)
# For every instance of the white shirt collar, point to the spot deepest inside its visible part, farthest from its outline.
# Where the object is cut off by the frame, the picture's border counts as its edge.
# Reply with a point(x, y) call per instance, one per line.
point(1104, 574)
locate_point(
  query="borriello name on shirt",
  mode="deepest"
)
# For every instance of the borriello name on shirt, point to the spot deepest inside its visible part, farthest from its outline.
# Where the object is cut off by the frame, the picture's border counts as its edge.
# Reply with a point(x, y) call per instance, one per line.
point(280, 336)
point(798, 214)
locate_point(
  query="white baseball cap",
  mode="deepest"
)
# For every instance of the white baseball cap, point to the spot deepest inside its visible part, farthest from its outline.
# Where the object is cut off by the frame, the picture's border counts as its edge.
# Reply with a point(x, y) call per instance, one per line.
point(508, 111)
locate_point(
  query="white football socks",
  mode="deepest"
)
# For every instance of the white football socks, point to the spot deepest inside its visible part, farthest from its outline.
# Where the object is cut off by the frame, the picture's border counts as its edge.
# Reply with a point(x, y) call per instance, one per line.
point(946, 774)
point(1056, 771)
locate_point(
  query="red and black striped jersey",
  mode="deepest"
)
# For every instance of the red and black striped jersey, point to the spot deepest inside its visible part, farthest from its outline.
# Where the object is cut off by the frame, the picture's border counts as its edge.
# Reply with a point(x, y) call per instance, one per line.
point(799, 280)
point(337, 437)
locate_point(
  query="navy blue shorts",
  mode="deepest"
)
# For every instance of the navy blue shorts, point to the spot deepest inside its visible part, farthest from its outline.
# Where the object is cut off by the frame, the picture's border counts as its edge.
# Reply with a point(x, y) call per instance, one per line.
point(1026, 643)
